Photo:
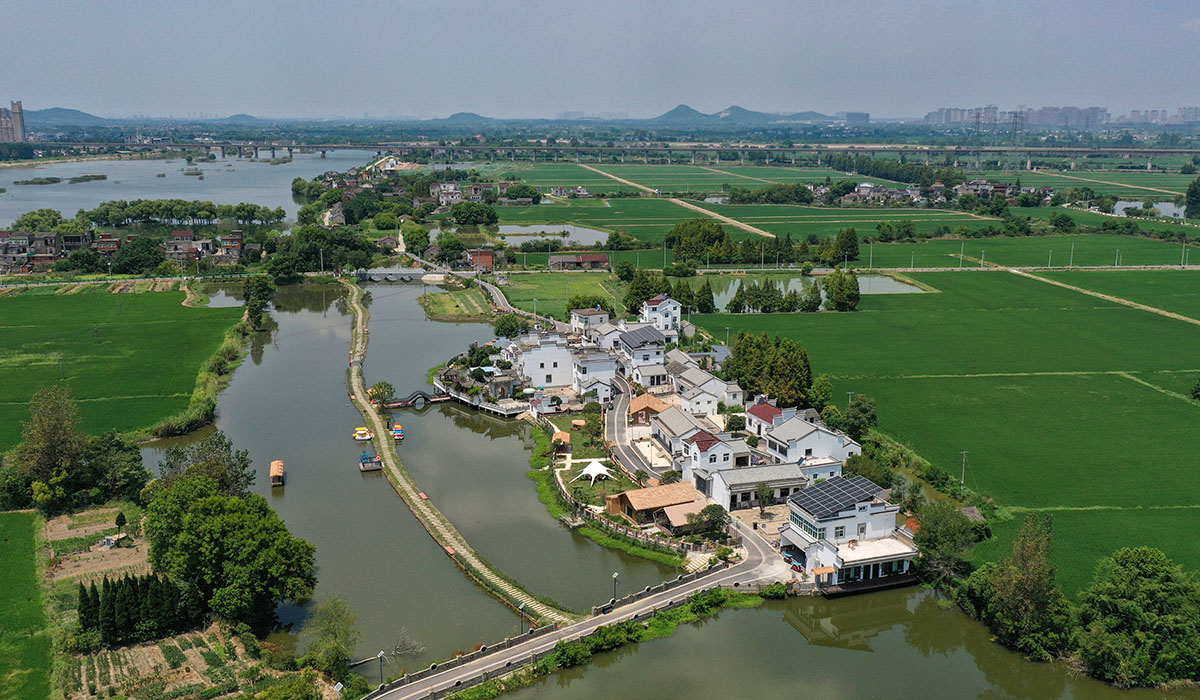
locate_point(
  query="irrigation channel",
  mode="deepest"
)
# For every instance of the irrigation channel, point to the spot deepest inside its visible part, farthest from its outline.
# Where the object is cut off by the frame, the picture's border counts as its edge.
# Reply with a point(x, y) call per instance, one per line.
point(288, 401)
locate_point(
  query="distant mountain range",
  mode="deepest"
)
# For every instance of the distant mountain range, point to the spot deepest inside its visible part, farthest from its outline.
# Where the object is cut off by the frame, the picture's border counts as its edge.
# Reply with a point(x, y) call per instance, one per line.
point(61, 116)
point(681, 116)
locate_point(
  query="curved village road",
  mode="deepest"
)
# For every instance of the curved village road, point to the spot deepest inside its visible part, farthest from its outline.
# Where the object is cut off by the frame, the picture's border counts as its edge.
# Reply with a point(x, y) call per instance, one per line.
point(616, 429)
point(753, 569)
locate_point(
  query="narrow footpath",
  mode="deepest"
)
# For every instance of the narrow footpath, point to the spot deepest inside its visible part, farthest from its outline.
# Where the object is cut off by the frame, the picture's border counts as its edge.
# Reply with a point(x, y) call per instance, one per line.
point(685, 205)
point(438, 526)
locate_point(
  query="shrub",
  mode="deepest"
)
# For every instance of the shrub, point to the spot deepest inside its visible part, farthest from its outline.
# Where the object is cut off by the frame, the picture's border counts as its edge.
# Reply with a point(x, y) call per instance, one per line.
point(775, 591)
point(172, 654)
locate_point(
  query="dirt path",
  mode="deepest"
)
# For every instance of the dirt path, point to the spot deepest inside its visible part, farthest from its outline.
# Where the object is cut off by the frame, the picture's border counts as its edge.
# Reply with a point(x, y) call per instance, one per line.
point(1107, 182)
point(1109, 297)
point(723, 218)
point(685, 205)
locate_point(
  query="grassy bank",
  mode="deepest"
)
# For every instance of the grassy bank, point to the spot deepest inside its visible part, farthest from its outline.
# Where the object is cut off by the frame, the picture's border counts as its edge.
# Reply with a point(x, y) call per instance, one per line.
point(25, 645)
point(548, 495)
point(462, 306)
point(608, 638)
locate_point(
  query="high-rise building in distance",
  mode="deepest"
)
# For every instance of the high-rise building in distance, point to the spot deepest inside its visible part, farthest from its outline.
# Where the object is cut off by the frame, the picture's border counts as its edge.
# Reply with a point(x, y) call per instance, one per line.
point(12, 124)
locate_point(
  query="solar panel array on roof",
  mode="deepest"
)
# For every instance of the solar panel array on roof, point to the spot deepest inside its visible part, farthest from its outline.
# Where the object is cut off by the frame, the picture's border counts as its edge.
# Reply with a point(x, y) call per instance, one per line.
point(835, 495)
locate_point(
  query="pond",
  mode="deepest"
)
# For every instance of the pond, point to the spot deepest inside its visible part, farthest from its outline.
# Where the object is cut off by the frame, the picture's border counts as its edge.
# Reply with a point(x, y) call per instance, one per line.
point(516, 234)
point(891, 644)
point(1167, 209)
point(725, 286)
point(226, 181)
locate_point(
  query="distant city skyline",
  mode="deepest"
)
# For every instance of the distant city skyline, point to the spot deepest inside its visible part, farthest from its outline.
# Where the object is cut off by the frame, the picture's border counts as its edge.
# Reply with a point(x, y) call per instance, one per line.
point(310, 60)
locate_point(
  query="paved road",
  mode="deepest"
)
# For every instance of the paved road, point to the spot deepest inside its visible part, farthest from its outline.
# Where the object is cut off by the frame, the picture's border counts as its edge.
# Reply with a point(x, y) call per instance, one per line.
point(616, 431)
point(756, 568)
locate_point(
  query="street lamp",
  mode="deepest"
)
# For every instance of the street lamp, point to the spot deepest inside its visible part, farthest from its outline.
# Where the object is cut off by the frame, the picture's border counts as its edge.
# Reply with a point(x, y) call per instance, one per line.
point(381, 656)
point(521, 612)
point(726, 336)
point(535, 307)
point(616, 579)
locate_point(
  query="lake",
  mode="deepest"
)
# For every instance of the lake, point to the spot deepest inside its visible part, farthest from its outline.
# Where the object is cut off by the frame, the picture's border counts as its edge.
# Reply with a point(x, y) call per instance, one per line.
point(226, 181)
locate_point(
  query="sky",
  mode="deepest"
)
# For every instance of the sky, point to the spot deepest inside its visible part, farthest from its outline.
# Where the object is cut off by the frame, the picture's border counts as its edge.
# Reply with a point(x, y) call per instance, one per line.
point(535, 58)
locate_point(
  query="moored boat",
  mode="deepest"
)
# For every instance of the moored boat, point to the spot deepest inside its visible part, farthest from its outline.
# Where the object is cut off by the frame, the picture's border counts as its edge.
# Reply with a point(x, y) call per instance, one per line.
point(363, 434)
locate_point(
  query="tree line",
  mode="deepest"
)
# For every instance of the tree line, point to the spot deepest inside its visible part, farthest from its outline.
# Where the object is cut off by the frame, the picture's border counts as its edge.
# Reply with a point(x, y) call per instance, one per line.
point(784, 193)
point(179, 212)
point(134, 609)
point(898, 170)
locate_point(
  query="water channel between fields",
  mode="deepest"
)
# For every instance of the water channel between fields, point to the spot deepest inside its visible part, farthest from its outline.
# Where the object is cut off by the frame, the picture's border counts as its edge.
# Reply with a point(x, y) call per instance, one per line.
point(226, 181)
point(288, 401)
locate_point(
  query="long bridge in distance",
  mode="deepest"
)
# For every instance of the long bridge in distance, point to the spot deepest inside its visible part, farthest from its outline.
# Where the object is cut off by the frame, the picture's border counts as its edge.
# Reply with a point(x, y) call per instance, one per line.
point(631, 151)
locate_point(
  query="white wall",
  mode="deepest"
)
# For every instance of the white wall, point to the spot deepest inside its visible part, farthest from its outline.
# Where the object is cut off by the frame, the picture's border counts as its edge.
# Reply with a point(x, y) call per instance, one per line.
point(547, 365)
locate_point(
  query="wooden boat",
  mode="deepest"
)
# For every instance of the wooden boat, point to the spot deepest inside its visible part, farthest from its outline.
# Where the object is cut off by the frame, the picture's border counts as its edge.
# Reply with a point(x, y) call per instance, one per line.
point(277, 473)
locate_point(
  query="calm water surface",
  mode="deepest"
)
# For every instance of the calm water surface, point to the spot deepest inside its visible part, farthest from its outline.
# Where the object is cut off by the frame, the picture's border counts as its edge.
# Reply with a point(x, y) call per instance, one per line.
point(226, 181)
point(725, 286)
point(894, 644)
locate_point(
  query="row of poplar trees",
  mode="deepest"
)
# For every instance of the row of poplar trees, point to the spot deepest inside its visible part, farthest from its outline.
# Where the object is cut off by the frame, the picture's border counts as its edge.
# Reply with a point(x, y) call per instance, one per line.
point(138, 609)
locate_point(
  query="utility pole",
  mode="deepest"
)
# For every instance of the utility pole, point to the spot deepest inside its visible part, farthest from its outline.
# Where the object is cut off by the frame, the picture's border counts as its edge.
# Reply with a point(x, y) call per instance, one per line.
point(962, 480)
point(1049, 258)
point(1072, 262)
point(849, 399)
point(962, 249)
point(871, 259)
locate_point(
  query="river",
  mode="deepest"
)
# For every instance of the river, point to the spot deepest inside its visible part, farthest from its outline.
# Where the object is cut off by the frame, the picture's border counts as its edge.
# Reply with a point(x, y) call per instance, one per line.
point(226, 181)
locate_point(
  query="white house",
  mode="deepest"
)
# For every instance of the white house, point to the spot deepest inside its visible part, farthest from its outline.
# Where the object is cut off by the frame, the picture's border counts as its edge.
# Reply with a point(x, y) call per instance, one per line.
point(543, 359)
point(699, 402)
point(671, 427)
point(796, 439)
point(761, 417)
point(843, 533)
point(641, 346)
point(605, 335)
point(720, 470)
point(663, 313)
point(593, 369)
point(650, 375)
point(728, 393)
point(585, 320)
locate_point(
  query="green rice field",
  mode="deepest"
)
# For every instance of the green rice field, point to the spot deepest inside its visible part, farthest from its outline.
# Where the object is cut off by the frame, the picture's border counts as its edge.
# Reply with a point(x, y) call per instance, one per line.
point(1066, 402)
point(129, 359)
point(1177, 291)
point(552, 291)
point(1034, 251)
point(25, 649)
point(1133, 184)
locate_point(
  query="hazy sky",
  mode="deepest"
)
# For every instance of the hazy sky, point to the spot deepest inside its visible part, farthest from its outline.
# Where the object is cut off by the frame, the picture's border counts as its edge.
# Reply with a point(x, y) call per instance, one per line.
point(534, 58)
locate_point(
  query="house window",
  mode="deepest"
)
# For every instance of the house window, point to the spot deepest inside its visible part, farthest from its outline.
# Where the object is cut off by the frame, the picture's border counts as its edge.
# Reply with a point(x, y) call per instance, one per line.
point(839, 532)
point(862, 530)
point(725, 458)
point(830, 475)
point(541, 365)
point(549, 379)
point(862, 508)
point(746, 497)
point(808, 452)
point(645, 358)
point(556, 364)
point(583, 370)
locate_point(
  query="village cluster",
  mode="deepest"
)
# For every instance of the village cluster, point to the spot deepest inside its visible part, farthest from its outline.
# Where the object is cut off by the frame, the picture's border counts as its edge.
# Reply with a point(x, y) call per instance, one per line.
point(20, 252)
point(673, 415)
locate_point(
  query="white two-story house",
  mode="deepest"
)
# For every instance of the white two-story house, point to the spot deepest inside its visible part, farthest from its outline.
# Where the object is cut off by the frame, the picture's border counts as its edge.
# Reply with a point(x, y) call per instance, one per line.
point(584, 321)
point(641, 346)
point(845, 535)
point(542, 358)
point(593, 369)
point(663, 313)
point(795, 440)
point(728, 393)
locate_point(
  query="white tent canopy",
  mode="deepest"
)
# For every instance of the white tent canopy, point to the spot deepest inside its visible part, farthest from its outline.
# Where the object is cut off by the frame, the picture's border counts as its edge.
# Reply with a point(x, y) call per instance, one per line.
point(594, 470)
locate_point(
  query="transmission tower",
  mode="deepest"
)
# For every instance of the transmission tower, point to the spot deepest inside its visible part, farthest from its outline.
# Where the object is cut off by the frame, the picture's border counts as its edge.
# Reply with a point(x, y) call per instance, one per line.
point(977, 119)
point(1017, 132)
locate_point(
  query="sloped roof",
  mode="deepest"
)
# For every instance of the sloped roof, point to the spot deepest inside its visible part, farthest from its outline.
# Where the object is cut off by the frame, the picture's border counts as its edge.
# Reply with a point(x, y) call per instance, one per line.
point(704, 440)
point(792, 429)
point(764, 411)
point(676, 422)
point(696, 391)
point(642, 336)
point(677, 355)
point(835, 495)
point(589, 312)
point(677, 514)
point(696, 376)
point(661, 496)
point(648, 401)
point(743, 476)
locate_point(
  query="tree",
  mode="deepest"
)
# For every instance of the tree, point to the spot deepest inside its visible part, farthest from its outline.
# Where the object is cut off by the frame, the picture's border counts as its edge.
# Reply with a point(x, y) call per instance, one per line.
point(703, 299)
point(944, 540)
point(1140, 620)
point(213, 457)
point(860, 417)
point(624, 270)
point(258, 290)
point(862, 465)
point(590, 301)
point(473, 214)
point(810, 298)
point(86, 261)
point(381, 392)
point(88, 616)
point(416, 237)
point(51, 449)
point(331, 626)
point(821, 392)
point(1192, 200)
point(137, 257)
point(510, 326)
point(640, 476)
point(120, 523)
point(1195, 393)
point(236, 551)
point(846, 244)
point(735, 423)
point(670, 476)
point(1019, 599)
point(765, 494)
point(1062, 223)
point(107, 619)
point(710, 521)
point(524, 191)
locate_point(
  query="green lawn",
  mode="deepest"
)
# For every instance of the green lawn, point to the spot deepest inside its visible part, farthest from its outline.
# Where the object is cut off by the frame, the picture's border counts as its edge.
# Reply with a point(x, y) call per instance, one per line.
point(129, 359)
point(25, 649)
point(1053, 392)
point(552, 289)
